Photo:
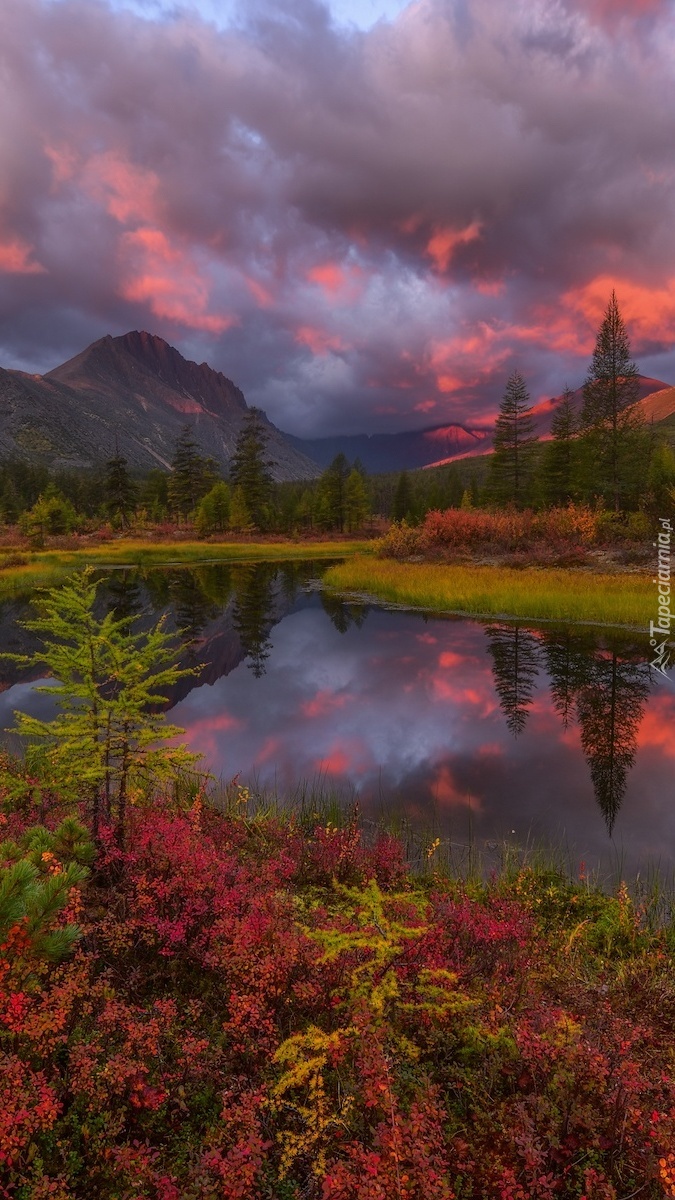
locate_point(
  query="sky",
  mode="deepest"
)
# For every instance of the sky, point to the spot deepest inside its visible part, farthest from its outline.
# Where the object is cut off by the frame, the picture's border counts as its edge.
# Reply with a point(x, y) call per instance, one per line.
point(366, 214)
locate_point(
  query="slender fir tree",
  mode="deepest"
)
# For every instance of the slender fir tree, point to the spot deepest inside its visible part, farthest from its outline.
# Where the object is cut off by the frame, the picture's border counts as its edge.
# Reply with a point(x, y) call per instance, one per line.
point(510, 464)
point(192, 474)
point(250, 468)
point(609, 420)
point(120, 490)
point(559, 459)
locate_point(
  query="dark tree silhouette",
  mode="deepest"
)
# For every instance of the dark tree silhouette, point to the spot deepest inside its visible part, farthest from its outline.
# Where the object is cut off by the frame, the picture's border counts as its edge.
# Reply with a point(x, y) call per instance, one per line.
point(119, 489)
point(515, 666)
point(610, 705)
point(253, 614)
point(608, 419)
point(250, 468)
point(510, 462)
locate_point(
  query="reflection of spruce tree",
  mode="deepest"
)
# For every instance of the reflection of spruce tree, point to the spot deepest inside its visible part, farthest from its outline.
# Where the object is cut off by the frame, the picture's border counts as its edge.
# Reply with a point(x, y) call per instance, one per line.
point(123, 594)
point(515, 659)
point(253, 614)
point(343, 615)
point(609, 709)
point(568, 662)
point(193, 608)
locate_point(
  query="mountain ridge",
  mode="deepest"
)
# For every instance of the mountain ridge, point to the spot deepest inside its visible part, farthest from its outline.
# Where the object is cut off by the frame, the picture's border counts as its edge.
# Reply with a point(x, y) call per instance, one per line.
point(132, 393)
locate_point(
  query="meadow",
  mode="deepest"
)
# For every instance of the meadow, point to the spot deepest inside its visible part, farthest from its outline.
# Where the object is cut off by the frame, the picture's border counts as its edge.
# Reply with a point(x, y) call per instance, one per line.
point(539, 594)
point(21, 570)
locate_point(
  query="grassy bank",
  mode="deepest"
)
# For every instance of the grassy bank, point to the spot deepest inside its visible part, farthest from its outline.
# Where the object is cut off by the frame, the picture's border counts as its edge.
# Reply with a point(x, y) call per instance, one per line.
point(44, 567)
point(281, 1009)
point(553, 594)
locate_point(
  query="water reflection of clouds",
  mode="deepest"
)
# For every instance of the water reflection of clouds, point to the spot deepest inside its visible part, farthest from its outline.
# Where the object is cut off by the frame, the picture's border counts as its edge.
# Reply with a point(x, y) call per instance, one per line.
point(411, 719)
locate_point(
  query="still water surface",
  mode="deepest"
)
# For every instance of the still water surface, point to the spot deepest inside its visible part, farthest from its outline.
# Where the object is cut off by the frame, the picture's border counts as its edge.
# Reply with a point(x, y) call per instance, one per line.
point(487, 730)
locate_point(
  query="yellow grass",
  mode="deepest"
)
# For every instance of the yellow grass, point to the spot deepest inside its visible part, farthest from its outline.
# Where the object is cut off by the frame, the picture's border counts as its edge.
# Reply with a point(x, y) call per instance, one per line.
point(552, 594)
point(45, 567)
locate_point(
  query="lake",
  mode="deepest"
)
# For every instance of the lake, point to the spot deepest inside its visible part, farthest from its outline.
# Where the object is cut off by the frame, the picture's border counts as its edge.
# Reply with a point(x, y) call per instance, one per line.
point(484, 730)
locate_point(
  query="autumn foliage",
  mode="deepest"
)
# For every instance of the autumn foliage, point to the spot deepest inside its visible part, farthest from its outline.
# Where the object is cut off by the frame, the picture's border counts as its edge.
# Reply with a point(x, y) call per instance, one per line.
point(249, 1008)
point(563, 529)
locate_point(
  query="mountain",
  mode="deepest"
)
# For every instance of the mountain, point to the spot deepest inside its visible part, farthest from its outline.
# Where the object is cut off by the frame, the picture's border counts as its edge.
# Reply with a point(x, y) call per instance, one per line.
point(380, 452)
point(136, 392)
point(656, 400)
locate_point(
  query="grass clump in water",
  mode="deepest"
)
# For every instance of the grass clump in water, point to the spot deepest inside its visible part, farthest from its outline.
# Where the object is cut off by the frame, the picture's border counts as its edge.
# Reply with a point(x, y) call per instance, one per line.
point(550, 594)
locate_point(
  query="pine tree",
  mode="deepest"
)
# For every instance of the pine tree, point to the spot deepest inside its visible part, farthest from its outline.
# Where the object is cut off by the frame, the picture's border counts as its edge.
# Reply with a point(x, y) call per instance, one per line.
point(559, 460)
point(609, 421)
point(240, 517)
point(332, 487)
point(213, 512)
point(510, 462)
point(250, 469)
point(402, 498)
point(120, 491)
point(109, 683)
point(357, 503)
point(192, 474)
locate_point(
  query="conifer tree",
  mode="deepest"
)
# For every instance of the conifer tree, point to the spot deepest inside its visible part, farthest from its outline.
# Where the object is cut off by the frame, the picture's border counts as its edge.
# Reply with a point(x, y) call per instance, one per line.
point(510, 462)
point(120, 491)
point(240, 517)
point(250, 468)
point(402, 498)
point(192, 474)
point(559, 460)
point(332, 487)
point(357, 503)
point(108, 684)
point(609, 421)
point(213, 512)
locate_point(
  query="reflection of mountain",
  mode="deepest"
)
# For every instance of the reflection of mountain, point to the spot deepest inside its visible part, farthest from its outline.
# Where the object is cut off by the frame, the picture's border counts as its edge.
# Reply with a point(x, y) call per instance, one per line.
point(515, 658)
point(223, 614)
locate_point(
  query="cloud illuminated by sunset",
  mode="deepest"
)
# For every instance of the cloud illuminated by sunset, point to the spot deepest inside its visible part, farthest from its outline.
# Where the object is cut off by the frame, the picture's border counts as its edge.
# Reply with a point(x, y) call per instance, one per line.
point(470, 186)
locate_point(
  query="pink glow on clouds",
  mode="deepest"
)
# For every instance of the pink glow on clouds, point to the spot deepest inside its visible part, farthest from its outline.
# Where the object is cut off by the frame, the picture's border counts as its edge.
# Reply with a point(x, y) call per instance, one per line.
point(261, 294)
point(425, 406)
point(318, 340)
point(444, 241)
point(127, 192)
point(15, 258)
point(649, 312)
point(329, 276)
point(64, 163)
point(168, 281)
point(322, 704)
point(447, 792)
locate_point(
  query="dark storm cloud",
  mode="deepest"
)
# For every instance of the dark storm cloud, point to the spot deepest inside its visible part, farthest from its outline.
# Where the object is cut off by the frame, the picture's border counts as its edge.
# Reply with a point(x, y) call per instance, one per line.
point(364, 230)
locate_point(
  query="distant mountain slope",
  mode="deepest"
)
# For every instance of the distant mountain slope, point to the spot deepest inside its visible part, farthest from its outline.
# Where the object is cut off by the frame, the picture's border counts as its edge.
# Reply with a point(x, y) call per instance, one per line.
point(135, 391)
point(381, 452)
point(650, 405)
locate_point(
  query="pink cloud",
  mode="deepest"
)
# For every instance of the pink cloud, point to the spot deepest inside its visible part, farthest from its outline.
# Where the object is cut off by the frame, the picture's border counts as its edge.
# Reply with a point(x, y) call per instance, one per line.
point(168, 281)
point(127, 192)
point(322, 704)
point(15, 258)
point(318, 340)
point(444, 241)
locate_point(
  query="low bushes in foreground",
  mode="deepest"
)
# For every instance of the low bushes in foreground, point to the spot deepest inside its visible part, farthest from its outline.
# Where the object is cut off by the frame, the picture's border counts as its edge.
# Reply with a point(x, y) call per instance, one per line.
point(253, 1008)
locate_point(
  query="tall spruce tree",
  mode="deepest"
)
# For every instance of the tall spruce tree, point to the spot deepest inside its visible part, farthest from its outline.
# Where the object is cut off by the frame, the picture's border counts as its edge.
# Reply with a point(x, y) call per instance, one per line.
point(250, 468)
point(558, 460)
point(402, 505)
point(510, 465)
point(120, 490)
point(192, 474)
point(609, 421)
point(332, 493)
